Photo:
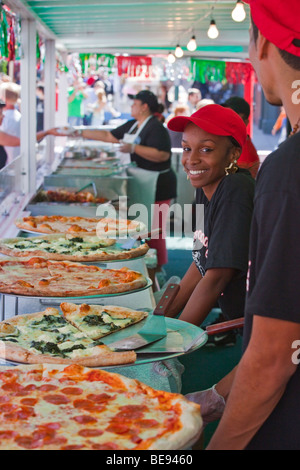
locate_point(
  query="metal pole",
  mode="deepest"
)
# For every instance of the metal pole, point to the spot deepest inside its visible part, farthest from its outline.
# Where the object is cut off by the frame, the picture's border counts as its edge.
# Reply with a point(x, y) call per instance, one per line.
point(28, 106)
point(49, 111)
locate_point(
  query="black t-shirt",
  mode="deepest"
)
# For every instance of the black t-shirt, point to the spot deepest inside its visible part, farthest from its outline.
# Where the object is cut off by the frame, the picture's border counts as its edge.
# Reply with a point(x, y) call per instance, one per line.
point(224, 243)
point(154, 134)
point(274, 275)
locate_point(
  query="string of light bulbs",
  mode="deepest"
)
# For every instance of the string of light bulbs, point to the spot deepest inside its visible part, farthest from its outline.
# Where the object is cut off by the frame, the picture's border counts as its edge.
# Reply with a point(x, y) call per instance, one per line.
point(238, 14)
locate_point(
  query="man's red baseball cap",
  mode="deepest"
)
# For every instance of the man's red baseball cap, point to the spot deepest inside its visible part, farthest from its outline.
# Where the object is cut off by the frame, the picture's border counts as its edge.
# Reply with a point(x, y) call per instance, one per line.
point(278, 21)
point(214, 119)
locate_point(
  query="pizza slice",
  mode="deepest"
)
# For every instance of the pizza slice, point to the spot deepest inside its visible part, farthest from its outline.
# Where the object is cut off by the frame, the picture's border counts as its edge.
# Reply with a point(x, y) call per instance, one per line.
point(46, 337)
point(96, 321)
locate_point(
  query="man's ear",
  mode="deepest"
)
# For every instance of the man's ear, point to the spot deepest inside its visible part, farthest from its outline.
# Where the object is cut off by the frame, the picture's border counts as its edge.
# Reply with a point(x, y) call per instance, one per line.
point(262, 46)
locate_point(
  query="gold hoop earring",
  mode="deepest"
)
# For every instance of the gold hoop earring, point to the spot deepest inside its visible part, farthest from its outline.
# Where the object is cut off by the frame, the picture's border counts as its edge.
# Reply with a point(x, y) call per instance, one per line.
point(232, 168)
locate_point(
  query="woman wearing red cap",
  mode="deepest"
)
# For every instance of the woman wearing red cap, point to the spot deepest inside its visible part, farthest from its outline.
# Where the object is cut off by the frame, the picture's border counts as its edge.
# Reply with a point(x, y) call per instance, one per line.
point(262, 409)
point(212, 142)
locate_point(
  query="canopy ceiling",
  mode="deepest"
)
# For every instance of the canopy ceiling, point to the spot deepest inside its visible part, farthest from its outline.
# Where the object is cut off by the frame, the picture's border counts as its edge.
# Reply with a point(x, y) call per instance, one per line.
point(138, 27)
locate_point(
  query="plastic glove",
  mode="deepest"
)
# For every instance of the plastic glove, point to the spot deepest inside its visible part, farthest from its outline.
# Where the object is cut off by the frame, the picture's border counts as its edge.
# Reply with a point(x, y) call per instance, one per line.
point(212, 404)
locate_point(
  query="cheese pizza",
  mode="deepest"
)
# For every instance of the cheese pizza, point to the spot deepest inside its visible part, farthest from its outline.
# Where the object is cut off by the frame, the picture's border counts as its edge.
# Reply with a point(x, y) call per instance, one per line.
point(70, 248)
point(50, 337)
point(37, 276)
point(47, 407)
point(103, 227)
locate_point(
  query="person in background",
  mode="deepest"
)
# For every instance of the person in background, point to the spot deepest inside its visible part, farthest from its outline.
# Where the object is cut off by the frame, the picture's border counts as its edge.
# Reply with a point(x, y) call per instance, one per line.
point(40, 102)
point(179, 110)
point(280, 125)
point(249, 158)
point(147, 141)
point(212, 141)
point(194, 96)
point(11, 124)
point(13, 141)
point(258, 402)
point(76, 97)
point(204, 102)
point(98, 108)
point(3, 154)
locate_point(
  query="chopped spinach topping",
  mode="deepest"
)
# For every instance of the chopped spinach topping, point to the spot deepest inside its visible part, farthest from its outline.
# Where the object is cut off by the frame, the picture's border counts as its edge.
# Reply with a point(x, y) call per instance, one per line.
point(49, 320)
point(52, 348)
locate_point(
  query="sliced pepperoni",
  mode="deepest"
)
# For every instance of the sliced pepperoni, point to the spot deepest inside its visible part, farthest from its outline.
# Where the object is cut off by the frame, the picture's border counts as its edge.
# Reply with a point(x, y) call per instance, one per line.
point(72, 447)
point(72, 391)
point(90, 432)
point(55, 441)
point(25, 412)
point(48, 388)
point(148, 423)
point(105, 446)
point(101, 397)
point(132, 412)
point(56, 399)
point(84, 404)
point(28, 442)
point(46, 431)
point(85, 419)
point(118, 428)
point(30, 388)
point(12, 387)
point(29, 401)
point(7, 407)
point(8, 434)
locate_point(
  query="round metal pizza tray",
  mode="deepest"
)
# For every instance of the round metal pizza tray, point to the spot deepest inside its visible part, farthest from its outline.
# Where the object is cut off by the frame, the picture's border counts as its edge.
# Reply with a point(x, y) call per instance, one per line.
point(83, 297)
point(179, 333)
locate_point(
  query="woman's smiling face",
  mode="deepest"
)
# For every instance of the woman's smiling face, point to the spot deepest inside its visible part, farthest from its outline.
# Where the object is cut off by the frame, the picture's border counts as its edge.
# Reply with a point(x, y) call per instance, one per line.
point(205, 157)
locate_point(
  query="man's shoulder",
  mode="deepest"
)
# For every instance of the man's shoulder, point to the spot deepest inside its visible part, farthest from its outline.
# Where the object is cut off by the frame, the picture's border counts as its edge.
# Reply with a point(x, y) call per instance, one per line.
point(281, 169)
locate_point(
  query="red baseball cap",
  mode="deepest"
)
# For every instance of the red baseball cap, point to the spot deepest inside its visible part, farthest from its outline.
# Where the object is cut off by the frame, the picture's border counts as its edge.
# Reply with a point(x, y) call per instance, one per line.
point(215, 119)
point(277, 21)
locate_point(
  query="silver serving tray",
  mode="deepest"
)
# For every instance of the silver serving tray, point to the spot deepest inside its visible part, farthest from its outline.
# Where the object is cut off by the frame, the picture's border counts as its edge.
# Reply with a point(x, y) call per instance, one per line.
point(185, 332)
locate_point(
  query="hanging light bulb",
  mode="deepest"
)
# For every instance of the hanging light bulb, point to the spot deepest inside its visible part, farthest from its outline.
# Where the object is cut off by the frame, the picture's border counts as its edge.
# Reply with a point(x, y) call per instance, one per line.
point(213, 31)
point(238, 13)
point(192, 45)
point(171, 58)
point(178, 51)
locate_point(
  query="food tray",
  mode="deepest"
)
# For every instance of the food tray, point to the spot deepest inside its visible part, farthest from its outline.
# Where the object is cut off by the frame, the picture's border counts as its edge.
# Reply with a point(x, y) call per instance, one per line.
point(185, 331)
point(90, 172)
point(95, 163)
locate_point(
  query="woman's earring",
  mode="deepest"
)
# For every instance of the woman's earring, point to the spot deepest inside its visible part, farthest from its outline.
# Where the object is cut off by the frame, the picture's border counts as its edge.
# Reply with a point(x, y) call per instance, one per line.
point(232, 168)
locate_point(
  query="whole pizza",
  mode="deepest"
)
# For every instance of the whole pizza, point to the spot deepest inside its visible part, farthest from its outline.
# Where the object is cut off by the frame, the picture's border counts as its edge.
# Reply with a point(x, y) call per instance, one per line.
point(64, 195)
point(71, 337)
point(46, 407)
point(37, 276)
point(103, 227)
point(70, 248)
